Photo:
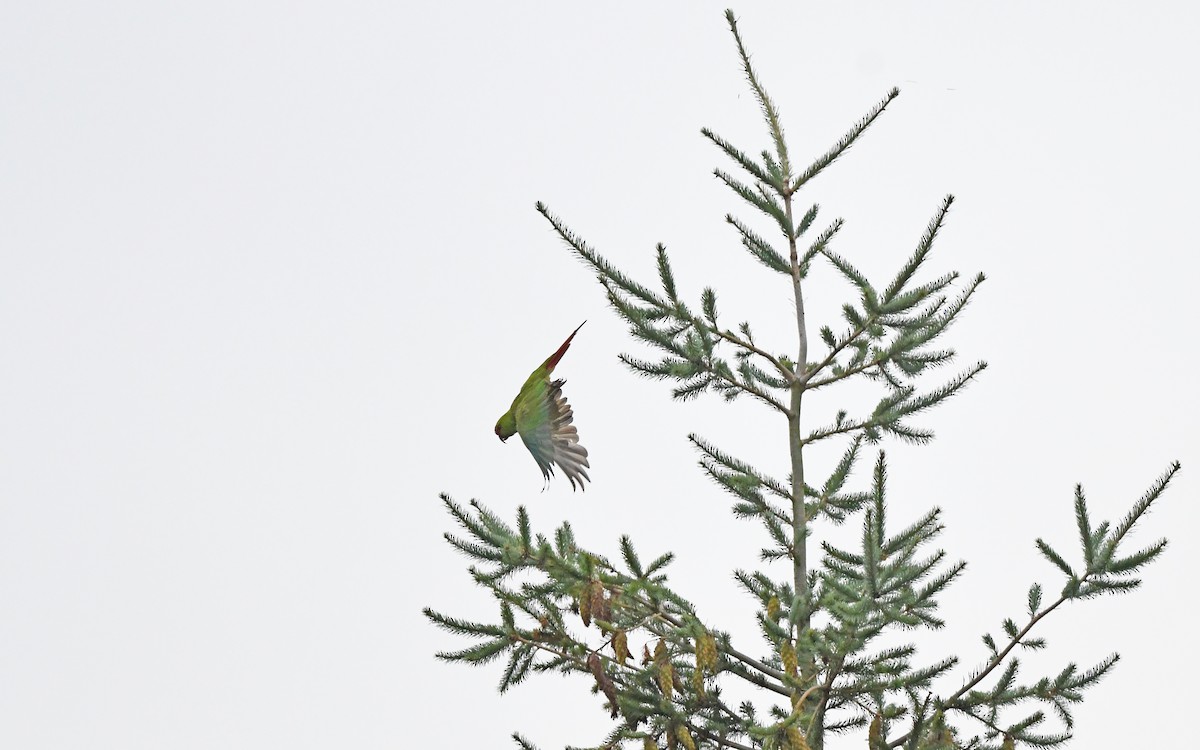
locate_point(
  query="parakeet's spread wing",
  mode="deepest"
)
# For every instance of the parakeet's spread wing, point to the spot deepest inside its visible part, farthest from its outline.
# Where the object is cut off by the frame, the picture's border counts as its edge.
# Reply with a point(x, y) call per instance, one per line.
point(544, 423)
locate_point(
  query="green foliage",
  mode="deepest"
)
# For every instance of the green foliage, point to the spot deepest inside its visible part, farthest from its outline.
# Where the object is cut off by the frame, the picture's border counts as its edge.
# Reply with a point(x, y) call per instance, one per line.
point(829, 661)
point(574, 609)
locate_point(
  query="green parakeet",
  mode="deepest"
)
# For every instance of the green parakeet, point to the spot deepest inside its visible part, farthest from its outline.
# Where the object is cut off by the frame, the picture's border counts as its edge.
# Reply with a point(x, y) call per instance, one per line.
point(542, 417)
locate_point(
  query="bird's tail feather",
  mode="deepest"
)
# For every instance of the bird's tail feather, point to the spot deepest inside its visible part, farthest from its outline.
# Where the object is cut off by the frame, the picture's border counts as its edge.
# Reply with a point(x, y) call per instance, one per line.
point(556, 356)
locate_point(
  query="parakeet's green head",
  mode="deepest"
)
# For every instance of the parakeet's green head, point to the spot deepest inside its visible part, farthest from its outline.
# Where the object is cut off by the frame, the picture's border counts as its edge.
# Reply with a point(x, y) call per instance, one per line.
point(506, 427)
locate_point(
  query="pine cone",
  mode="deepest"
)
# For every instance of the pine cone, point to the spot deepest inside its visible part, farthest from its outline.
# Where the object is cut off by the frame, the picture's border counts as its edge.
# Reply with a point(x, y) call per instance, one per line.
point(875, 733)
point(793, 739)
point(621, 646)
point(596, 664)
point(773, 608)
point(600, 606)
point(706, 653)
point(666, 672)
point(685, 737)
point(791, 664)
point(585, 605)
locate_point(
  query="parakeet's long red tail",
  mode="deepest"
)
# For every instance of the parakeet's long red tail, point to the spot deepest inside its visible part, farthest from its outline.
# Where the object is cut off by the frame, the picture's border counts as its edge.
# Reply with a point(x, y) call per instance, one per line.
point(553, 359)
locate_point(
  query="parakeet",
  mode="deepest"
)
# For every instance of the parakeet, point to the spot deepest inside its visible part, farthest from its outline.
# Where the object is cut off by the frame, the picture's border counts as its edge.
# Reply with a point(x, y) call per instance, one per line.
point(542, 417)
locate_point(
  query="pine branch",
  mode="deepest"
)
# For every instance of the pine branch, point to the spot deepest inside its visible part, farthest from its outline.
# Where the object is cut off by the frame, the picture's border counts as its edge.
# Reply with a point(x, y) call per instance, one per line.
point(523, 743)
point(999, 658)
point(759, 247)
point(722, 741)
point(749, 346)
point(733, 653)
point(762, 202)
point(834, 350)
point(738, 466)
point(1096, 578)
point(1139, 509)
point(770, 114)
point(841, 428)
point(905, 274)
point(699, 369)
point(587, 254)
point(819, 245)
point(742, 160)
point(846, 141)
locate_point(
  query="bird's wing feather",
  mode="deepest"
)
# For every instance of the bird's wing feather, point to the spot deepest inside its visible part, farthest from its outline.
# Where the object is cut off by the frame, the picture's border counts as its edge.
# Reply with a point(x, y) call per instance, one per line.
point(544, 421)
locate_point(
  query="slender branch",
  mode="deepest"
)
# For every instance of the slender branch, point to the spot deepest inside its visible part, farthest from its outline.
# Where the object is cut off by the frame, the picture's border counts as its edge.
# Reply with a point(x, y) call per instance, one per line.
point(709, 698)
point(752, 390)
point(808, 374)
point(746, 387)
point(787, 374)
point(995, 661)
point(749, 661)
point(776, 513)
point(762, 682)
point(752, 662)
point(644, 622)
point(582, 666)
point(733, 653)
point(863, 367)
point(821, 434)
point(756, 392)
point(985, 722)
point(999, 658)
point(740, 662)
point(719, 739)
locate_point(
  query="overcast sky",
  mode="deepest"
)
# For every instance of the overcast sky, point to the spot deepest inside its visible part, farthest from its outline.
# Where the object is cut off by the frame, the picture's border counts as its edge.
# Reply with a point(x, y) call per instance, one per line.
point(269, 272)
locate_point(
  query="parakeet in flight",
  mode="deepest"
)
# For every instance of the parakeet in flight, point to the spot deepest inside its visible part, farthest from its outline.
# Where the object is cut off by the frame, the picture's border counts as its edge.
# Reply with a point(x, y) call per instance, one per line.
point(542, 417)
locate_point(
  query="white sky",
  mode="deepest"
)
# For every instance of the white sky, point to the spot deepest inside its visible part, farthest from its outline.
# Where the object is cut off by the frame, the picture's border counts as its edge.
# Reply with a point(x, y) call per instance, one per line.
point(270, 271)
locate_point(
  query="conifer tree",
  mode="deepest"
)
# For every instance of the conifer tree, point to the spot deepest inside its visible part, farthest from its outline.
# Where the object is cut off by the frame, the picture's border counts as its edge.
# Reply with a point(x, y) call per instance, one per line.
point(661, 666)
